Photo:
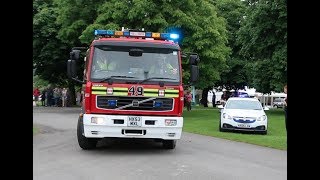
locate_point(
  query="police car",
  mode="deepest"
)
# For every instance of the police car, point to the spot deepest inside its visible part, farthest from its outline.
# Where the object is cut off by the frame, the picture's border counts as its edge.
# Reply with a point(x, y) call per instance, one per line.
point(243, 114)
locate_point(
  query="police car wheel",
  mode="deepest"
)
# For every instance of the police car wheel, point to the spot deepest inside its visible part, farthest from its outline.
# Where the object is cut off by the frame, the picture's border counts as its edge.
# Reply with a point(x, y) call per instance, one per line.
point(84, 143)
point(169, 144)
point(264, 132)
point(220, 128)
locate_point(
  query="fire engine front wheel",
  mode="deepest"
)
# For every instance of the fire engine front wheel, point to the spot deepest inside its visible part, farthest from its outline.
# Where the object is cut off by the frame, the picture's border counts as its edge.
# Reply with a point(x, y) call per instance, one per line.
point(169, 144)
point(84, 143)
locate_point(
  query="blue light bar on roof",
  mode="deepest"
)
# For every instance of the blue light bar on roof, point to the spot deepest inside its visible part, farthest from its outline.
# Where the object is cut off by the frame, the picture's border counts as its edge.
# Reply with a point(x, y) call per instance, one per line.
point(140, 34)
point(126, 33)
point(103, 32)
point(164, 35)
point(148, 34)
point(174, 36)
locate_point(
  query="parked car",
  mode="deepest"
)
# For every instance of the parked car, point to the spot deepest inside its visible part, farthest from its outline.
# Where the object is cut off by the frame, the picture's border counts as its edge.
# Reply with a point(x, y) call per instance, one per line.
point(243, 114)
point(278, 103)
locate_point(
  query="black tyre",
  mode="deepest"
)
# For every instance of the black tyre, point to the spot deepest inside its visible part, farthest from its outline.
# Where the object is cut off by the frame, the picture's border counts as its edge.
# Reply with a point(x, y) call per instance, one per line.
point(84, 143)
point(221, 129)
point(264, 132)
point(169, 144)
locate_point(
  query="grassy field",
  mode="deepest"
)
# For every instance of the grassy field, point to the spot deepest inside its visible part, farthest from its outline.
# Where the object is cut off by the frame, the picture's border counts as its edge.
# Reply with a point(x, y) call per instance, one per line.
point(205, 121)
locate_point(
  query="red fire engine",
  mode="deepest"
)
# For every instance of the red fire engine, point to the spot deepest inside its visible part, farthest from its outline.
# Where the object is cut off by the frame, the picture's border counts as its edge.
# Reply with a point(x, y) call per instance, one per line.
point(132, 87)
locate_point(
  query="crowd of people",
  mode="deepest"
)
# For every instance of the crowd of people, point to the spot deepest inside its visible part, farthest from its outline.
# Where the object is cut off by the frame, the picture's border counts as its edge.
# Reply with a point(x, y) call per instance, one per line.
point(57, 97)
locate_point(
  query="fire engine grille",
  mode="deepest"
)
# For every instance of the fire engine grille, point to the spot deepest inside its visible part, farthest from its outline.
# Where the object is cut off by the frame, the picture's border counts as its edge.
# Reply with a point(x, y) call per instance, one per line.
point(125, 103)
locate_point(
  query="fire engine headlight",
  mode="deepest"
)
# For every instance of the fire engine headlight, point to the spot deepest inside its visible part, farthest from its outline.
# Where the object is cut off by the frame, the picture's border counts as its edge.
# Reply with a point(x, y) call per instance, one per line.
point(170, 122)
point(97, 120)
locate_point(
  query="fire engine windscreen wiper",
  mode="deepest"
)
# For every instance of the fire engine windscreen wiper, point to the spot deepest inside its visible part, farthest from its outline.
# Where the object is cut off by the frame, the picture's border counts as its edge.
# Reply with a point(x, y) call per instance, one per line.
point(111, 77)
point(154, 78)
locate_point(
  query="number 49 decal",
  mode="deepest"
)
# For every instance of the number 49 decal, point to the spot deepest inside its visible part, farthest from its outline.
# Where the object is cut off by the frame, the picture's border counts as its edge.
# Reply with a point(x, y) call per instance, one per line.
point(135, 91)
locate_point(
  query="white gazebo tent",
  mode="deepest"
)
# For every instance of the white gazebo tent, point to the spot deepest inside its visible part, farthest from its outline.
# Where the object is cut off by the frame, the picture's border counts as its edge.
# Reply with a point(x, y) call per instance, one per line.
point(267, 99)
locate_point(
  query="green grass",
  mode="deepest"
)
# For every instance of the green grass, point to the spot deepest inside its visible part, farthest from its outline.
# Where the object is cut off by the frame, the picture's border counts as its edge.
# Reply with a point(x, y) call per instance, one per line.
point(205, 121)
point(35, 130)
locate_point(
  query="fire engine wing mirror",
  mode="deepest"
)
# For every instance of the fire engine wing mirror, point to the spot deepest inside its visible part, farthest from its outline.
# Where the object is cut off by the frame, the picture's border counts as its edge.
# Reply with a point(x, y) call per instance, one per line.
point(194, 73)
point(135, 52)
point(71, 70)
point(75, 54)
point(194, 59)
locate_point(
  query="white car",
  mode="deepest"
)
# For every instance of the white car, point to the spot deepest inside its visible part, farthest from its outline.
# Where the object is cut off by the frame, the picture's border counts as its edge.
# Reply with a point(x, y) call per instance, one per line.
point(243, 114)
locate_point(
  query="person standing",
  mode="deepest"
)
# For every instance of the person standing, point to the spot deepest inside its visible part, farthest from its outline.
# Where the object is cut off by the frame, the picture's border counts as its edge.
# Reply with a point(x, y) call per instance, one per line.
point(224, 97)
point(55, 96)
point(285, 107)
point(213, 99)
point(188, 100)
point(64, 97)
point(43, 97)
point(36, 94)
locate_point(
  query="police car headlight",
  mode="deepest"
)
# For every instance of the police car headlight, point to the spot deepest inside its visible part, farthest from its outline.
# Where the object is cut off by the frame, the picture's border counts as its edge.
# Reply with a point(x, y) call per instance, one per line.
point(97, 120)
point(226, 116)
point(262, 118)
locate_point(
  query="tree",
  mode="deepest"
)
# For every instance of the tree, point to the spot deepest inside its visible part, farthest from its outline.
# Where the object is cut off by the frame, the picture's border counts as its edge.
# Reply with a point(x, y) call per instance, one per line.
point(40, 83)
point(74, 16)
point(263, 40)
point(234, 76)
point(49, 52)
point(48, 60)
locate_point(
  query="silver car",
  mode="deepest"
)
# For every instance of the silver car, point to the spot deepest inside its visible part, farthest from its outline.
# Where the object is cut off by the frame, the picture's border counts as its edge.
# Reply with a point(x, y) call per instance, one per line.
point(278, 103)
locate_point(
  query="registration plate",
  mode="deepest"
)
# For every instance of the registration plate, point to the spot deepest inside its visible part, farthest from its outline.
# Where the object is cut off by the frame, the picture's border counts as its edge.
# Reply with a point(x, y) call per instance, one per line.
point(134, 121)
point(244, 125)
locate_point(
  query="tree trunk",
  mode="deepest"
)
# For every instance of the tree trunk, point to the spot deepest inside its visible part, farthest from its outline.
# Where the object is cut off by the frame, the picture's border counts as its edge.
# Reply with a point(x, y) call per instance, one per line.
point(72, 94)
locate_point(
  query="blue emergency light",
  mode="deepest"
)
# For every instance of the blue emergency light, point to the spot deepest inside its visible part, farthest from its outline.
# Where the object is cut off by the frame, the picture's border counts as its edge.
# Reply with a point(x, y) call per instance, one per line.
point(104, 32)
point(112, 103)
point(157, 104)
point(174, 36)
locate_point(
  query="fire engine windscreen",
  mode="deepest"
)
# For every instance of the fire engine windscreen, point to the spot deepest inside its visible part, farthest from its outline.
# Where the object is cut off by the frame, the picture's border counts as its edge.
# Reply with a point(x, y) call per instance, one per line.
point(116, 61)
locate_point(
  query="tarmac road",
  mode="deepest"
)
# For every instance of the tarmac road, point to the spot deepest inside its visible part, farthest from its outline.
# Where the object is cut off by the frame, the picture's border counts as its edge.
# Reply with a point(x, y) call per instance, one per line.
point(57, 156)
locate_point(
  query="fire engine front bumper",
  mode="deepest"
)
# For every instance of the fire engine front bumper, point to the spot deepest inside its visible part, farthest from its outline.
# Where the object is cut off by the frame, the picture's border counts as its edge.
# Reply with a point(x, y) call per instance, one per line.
point(155, 127)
